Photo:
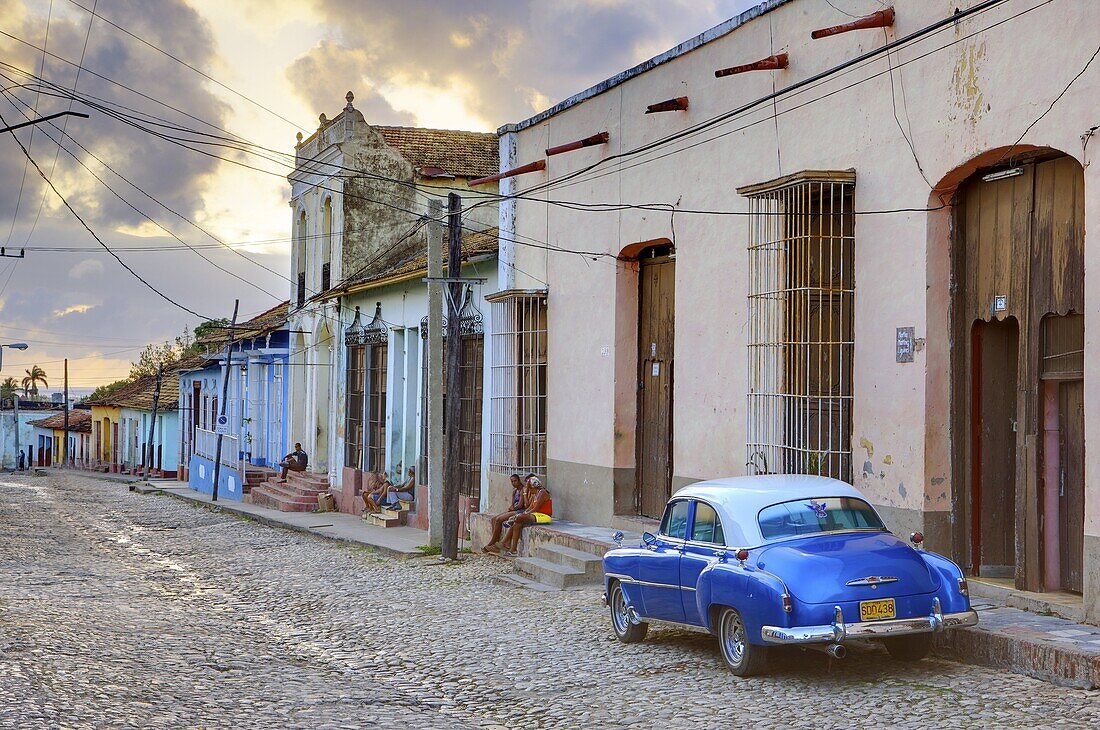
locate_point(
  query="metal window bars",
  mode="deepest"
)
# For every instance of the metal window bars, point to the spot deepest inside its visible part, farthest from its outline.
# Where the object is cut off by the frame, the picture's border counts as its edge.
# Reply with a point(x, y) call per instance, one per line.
point(518, 382)
point(801, 340)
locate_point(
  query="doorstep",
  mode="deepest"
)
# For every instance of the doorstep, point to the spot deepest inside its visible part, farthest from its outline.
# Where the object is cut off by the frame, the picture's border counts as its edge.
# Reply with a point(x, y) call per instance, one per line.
point(1003, 592)
point(401, 542)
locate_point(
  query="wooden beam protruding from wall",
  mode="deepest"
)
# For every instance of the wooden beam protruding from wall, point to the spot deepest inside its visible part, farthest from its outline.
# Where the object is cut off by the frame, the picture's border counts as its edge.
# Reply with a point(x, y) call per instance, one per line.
point(879, 19)
point(771, 63)
point(595, 139)
point(679, 104)
point(523, 169)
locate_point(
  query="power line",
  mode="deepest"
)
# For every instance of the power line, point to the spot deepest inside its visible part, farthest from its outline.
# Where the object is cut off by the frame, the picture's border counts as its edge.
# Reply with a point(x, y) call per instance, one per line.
point(205, 75)
point(88, 228)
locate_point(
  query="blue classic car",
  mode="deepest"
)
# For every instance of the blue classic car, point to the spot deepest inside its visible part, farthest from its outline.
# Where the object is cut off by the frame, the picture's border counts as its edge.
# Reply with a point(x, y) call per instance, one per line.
point(763, 561)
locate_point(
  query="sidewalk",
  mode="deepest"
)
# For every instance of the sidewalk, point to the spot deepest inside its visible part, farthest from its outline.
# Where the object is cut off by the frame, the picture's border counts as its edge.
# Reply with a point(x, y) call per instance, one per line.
point(1045, 647)
point(400, 542)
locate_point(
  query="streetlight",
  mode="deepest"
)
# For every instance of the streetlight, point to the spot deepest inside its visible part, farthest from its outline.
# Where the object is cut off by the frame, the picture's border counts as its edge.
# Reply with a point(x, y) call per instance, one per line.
point(15, 400)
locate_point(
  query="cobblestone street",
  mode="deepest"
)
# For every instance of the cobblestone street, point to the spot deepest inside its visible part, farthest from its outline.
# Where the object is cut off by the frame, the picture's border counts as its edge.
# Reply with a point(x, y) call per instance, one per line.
point(124, 610)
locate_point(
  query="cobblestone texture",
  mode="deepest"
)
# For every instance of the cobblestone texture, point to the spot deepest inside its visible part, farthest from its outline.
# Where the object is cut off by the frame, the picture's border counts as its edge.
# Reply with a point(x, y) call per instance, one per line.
point(127, 611)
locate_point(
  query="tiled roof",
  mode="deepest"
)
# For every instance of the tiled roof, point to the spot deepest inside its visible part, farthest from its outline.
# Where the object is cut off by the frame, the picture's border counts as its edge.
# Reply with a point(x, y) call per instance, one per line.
point(414, 259)
point(79, 420)
point(261, 324)
point(464, 154)
point(139, 394)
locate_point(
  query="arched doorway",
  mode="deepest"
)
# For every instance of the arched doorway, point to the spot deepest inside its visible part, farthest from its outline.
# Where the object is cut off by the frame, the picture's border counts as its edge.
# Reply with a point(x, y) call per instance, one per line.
point(1017, 368)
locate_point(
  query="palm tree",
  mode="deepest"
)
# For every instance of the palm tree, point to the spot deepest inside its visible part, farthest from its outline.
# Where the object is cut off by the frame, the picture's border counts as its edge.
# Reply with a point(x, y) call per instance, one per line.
point(8, 389)
point(35, 375)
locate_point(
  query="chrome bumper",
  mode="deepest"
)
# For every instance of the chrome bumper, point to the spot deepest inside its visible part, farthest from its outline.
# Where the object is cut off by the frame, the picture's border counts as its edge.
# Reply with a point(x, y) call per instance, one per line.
point(838, 631)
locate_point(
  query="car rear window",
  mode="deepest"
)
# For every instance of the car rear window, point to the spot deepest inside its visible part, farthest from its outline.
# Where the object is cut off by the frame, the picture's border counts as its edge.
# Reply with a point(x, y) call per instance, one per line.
point(817, 515)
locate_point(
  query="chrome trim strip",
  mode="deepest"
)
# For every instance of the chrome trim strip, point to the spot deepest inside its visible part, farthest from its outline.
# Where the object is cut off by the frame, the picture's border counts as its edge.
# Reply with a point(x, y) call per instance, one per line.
point(651, 584)
point(838, 632)
point(872, 580)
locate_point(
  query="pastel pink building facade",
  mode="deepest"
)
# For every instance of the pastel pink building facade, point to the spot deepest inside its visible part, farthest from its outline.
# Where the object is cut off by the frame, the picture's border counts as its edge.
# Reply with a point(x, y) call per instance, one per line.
point(878, 276)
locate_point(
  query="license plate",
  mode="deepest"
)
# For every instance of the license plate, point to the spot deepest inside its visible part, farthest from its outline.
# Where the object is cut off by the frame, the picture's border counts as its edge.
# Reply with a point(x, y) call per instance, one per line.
point(876, 610)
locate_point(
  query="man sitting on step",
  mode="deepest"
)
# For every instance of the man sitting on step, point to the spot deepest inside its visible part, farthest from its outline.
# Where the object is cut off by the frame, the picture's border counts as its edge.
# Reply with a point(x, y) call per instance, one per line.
point(539, 511)
point(294, 461)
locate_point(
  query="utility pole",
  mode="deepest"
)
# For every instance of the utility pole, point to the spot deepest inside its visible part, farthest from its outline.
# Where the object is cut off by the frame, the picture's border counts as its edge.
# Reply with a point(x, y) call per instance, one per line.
point(65, 410)
point(453, 461)
point(153, 423)
point(225, 397)
point(435, 373)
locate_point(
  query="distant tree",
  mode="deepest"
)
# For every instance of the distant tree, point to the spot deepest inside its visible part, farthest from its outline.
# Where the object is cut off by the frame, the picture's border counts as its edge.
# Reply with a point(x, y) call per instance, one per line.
point(209, 328)
point(9, 388)
point(153, 356)
point(101, 392)
point(35, 375)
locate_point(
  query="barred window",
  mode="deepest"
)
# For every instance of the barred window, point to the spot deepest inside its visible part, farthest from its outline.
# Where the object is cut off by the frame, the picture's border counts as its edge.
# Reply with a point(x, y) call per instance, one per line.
point(518, 382)
point(353, 438)
point(801, 292)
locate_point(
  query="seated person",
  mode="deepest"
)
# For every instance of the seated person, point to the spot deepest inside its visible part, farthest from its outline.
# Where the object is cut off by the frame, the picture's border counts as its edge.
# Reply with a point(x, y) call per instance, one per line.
point(498, 520)
point(294, 461)
point(539, 511)
point(385, 494)
point(377, 486)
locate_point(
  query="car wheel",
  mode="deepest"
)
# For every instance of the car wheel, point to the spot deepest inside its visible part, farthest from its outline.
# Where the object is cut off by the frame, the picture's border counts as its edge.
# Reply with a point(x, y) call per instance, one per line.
point(743, 659)
point(909, 648)
point(626, 630)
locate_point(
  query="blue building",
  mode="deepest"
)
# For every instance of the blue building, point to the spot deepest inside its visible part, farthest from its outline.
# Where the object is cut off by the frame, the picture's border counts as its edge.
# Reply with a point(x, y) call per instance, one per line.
point(256, 407)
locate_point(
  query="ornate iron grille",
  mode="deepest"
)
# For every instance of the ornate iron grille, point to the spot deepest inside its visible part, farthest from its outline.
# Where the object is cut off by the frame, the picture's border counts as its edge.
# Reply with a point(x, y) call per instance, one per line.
point(326, 275)
point(301, 288)
point(801, 292)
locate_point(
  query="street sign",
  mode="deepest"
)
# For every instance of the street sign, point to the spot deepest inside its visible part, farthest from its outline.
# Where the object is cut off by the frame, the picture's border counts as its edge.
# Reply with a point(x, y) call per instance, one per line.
point(221, 426)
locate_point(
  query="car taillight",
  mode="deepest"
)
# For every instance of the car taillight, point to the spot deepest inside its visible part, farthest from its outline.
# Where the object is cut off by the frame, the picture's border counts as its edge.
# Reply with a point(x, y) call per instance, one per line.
point(963, 587)
point(742, 555)
point(787, 603)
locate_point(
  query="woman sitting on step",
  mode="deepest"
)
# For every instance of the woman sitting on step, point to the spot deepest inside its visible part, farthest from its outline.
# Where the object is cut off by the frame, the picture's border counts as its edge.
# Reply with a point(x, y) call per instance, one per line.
point(385, 494)
point(539, 511)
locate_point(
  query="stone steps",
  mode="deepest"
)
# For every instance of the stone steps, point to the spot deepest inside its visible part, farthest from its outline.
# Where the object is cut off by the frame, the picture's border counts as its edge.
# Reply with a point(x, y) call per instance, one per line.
point(379, 519)
point(551, 574)
point(298, 494)
point(260, 496)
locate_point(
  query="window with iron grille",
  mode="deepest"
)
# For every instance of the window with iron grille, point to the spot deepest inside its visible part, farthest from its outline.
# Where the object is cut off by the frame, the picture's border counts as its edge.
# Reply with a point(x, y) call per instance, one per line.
point(326, 275)
point(800, 334)
point(301, 288)
point(376, 408)
point(353, 438)
point(471, 369)
point(518, 382)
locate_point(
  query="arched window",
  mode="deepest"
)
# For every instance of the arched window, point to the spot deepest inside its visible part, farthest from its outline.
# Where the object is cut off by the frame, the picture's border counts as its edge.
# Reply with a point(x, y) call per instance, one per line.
point(300, 257)
point(326, 245)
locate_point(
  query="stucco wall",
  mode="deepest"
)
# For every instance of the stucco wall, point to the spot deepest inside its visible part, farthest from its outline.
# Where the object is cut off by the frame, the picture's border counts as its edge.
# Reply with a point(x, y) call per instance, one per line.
point(974, 95)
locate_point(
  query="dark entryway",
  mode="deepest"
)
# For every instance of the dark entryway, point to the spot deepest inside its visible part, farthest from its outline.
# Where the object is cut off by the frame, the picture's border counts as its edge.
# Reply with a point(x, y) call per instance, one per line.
point(656, 320)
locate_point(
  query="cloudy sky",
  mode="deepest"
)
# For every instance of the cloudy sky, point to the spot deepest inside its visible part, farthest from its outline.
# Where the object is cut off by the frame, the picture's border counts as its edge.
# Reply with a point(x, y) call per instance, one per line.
point(465, 64)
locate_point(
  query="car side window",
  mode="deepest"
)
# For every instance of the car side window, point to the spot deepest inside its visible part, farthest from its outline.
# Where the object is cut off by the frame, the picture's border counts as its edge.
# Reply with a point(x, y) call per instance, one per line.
point(675, 520)
point(707, 526)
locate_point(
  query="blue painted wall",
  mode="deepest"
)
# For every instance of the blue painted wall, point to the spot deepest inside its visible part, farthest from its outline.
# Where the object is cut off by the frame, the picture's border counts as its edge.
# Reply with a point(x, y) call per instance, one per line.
point(201, 479)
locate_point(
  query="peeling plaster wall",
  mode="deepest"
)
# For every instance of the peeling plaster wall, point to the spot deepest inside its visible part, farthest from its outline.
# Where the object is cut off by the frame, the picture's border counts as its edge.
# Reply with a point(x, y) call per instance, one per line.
point(954, 104)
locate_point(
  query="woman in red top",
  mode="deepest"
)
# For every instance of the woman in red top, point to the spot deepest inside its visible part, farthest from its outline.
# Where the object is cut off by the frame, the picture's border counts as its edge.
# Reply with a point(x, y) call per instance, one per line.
point(540, 510)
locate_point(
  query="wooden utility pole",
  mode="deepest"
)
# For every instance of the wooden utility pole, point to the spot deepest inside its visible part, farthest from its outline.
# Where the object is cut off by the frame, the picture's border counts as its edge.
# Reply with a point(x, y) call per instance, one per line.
point(65, 410)
point(225, 397)
point(453, 352)
point(153, 422)
point(435, 373)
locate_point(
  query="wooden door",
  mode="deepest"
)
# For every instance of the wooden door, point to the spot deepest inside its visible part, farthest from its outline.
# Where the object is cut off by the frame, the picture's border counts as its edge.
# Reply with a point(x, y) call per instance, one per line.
point(1071, 492)
point(993, 491)
point(656, 318)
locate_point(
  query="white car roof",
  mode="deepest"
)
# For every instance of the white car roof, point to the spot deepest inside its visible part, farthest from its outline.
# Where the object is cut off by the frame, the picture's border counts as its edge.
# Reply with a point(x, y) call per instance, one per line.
point(738, 500)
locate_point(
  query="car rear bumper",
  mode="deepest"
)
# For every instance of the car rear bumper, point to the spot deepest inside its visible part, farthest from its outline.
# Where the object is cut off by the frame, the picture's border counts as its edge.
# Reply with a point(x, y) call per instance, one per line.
point(838, 631)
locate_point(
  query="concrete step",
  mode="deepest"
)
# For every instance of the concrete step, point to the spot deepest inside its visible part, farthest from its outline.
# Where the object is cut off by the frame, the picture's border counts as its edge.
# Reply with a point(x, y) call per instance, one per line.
point(272, 500)
point(394, 514)
point(292, 490)
point(406, 505)
point(381, 520)
point(585, 562)
point(512, 580)
point(551, 574)
point(286, 492)
point(305, 479)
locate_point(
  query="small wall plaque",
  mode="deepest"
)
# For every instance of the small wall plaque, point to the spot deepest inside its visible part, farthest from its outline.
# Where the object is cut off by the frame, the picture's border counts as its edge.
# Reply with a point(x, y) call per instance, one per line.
point(905, 344)
point(1000, 303)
